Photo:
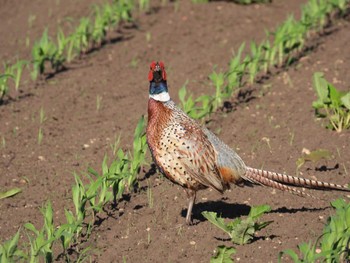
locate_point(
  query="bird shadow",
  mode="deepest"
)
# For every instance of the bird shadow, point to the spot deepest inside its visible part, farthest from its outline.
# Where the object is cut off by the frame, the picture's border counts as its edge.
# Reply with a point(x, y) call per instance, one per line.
point(235, 210)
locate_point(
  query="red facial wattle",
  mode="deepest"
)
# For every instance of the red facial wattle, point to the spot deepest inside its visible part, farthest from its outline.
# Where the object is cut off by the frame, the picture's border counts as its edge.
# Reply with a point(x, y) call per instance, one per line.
point(157, 66)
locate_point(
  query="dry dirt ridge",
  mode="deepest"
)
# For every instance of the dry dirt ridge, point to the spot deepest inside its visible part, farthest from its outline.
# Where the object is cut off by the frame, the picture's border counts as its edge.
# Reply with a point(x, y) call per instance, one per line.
point(269, 129)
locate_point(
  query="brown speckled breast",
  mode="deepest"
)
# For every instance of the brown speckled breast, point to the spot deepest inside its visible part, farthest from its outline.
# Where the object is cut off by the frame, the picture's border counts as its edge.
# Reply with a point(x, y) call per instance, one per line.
point(180, 148)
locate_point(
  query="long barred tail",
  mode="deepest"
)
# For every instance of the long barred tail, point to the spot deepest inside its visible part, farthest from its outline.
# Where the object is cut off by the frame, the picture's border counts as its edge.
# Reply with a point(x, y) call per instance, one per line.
point(283, 182)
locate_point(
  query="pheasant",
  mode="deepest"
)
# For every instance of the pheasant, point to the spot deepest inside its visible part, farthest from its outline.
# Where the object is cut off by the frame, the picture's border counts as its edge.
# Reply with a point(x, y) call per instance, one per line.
point(193, 157)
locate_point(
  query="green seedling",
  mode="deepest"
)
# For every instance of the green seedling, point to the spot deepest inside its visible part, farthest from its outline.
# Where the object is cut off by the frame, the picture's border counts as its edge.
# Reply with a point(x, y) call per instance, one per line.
point(3, 142)
point(79, 40)
point(223, 255)
point(307, 251)
point(10, 193)
point(218, 81)
point(98, 102)
point(139, 152)
point(241, 231)
point(191, 107)
point(148, 37)
point(256, 61)
point(314, 156)
point(336, 235)
point(118, 174)
point(62, 44)
point(331, 103)
point(66, 233)
point(332, 245)
point(42, 116)
point(109, 16)
point(45, 50)
point(31, 20)
point(4, 85)
point(149, 195)
point(41, 241)
point(144, 5)
point(186, 105)
point(115, 144)
point(13, 73)
point(80, 200)
point(9, 251)
point(40, 135)
point(235, 74)
point(134, 62)
point(266, 57)
point(99, 30)
point(123, 10)
point(17, 70)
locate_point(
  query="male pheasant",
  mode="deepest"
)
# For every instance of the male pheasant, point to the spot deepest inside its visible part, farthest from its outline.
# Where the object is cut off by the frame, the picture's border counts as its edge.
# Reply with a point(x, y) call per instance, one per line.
point(193, 157)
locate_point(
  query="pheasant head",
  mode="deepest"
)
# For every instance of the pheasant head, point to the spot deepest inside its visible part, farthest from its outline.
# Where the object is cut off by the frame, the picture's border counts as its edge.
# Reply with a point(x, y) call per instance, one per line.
point(158, 88)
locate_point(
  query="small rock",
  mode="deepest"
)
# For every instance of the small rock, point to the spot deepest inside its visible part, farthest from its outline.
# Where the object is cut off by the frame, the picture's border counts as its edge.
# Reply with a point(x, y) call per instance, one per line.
point(192, 243)
point(85, 146)
point(41, 158)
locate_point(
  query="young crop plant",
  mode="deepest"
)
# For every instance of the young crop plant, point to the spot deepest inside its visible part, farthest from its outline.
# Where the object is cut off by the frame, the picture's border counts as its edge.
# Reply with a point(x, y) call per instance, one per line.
point(280, 48)
point(62, 44)
point(9, 251)
point(331, 104)
point(139, 152)
point(45, 50)
point(255, 62)
point(41, 240)
point(80, 39)
point(144, 5)
point(10, 193)
point(13, 73)
point(332, 245)
point(218, 81)
point(235, 73)
point(241, 231)
point(313, 156)
point(4, 85)
point(202, 107)
point(223, 255)
point(101, 24)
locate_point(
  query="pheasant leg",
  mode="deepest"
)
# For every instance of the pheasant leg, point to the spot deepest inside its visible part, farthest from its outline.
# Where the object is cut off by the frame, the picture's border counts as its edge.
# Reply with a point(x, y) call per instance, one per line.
point(192, 198)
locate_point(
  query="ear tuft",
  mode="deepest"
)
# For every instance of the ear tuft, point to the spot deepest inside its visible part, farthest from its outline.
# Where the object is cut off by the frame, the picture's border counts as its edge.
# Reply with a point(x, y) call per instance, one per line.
point(161, 64)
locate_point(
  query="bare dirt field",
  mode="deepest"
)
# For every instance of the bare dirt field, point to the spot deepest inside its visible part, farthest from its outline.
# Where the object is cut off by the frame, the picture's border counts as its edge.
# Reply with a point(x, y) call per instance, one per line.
point(269, 128)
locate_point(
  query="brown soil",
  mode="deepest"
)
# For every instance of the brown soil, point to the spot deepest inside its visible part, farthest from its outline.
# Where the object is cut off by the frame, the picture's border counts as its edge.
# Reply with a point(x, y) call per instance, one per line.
point(268, 129)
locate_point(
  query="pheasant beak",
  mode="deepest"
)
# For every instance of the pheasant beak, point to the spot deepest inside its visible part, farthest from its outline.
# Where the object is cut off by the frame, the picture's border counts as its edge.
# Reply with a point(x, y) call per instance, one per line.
point(157, 72)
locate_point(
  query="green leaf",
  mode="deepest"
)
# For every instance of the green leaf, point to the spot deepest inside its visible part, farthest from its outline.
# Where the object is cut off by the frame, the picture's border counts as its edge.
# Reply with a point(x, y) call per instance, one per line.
point(314, 157)
point(104, 165)
point(257, 211)
point(318, 104)
point(13, 244)
point(317, 155)
point(217, 221)
point(321, 87)
point(10, 193)
point(31, 227)
point(290, 253)
point(334, 95)
point(346, 100)
point(223, 255)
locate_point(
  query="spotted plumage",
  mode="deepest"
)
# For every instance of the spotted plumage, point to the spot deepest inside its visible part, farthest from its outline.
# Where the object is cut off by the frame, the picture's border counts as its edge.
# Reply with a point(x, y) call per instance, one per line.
point(193, 157)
